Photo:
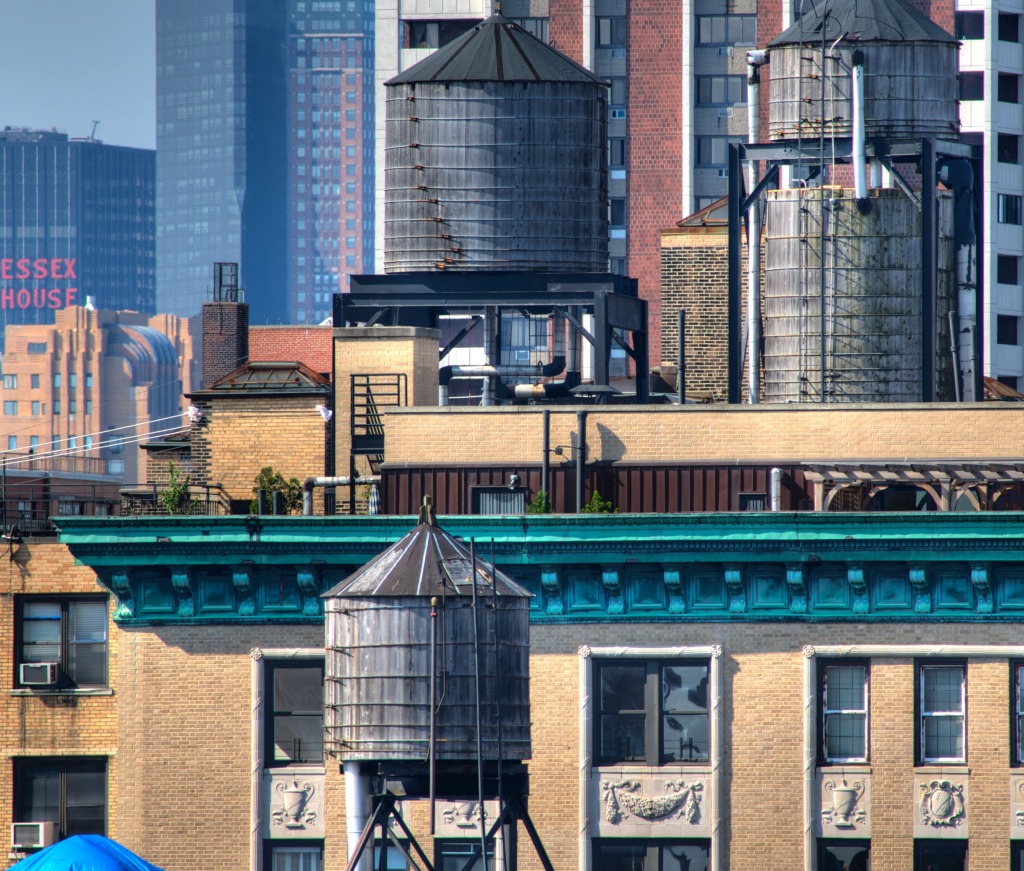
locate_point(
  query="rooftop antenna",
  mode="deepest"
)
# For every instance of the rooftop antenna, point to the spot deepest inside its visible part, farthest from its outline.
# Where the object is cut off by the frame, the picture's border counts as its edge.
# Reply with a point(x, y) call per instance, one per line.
point(92, 136)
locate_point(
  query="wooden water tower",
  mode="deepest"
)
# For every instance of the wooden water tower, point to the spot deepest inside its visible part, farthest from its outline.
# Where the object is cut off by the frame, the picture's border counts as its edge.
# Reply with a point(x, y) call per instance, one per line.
point(427, 687)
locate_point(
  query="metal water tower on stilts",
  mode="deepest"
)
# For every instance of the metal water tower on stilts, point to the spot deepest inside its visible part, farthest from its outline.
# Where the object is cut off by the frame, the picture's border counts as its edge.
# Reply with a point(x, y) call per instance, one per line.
point(427, 695)
point(872, 289)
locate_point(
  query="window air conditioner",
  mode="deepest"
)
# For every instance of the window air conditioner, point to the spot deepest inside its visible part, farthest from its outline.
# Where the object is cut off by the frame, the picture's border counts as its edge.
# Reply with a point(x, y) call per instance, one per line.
point(31, 836)
point(38, 674)
point(723, 173)
point(726, 51)
point(725, 112)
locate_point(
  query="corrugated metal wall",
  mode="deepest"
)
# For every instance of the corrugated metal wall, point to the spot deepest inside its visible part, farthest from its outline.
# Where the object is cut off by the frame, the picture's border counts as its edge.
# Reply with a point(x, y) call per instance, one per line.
point(631, 488)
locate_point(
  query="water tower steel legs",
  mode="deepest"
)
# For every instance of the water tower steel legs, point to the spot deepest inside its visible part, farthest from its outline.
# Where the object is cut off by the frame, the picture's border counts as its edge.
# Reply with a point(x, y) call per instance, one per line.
point(513, 811)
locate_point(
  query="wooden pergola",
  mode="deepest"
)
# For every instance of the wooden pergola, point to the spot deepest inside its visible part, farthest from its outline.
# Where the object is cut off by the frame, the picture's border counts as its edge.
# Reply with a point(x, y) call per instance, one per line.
point(986, 485)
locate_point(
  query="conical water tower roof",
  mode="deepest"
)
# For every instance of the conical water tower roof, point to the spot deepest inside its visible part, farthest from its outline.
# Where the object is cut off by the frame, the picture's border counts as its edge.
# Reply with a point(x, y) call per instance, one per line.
point(496, 50)
point(426, 562)
point(862, 21)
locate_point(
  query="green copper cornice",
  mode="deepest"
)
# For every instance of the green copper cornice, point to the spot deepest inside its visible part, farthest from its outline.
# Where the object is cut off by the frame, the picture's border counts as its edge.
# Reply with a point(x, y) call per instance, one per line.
point(588, 568)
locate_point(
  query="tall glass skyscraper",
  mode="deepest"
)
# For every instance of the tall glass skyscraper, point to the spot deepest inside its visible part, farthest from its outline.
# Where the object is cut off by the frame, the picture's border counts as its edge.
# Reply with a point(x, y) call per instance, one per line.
point(76, 220)
point(264, 151)
point(221, 151)
point(330, 151)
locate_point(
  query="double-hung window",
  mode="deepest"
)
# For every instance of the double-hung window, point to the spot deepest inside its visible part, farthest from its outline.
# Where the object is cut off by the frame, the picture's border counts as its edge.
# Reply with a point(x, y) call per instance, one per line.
point(70, 632)
point(942, 707)
point(651, 712)
point(1018, 714)
point(844, 712)
point(619, 854)
point(295, 730)
point(67, 791)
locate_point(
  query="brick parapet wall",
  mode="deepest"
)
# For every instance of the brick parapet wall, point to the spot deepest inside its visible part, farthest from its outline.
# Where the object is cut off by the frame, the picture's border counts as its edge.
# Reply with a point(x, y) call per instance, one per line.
point(729, 433)
point(313, 346)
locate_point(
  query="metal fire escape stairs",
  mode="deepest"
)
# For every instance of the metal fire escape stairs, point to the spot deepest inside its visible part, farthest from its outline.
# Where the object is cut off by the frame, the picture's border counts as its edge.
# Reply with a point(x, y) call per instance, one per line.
point(370, 394)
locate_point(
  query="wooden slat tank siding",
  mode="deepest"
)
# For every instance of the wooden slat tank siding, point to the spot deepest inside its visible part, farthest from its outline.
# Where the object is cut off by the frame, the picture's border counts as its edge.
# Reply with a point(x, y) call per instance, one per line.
point(496, 175)
point(872, 296)
point(377, 678)
point(909, 90)
point(631, 487)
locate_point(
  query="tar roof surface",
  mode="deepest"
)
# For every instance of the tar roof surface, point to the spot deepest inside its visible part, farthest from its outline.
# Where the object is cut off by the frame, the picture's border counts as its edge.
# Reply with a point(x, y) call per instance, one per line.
point(496, 50)
point(862, 21)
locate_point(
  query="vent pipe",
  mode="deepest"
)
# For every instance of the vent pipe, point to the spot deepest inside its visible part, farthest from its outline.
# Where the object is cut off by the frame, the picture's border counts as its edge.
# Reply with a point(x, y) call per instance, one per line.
point(860, 172)
point(755, 60)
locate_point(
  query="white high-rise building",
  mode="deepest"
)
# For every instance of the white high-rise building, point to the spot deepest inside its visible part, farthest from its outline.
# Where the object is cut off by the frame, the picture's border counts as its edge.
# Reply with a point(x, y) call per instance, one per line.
point(992, 116)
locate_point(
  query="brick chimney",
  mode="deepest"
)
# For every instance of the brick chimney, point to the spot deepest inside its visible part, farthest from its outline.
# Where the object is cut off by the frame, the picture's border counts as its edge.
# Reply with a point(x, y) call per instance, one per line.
point(225, 326)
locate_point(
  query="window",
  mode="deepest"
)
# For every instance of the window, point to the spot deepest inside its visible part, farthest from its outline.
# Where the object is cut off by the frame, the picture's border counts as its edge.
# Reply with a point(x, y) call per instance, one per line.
point(12, 443)
point(499, 500)
point(534, 26)
point(88, 379)
point(35, 382)
point(295, 716)
point(56, 406)
point(72, 380)
point(844, 712)
point(1008, 148)
point(1007, 269)
point(1008, 207)
point(942, 711)
point(35, 407)
point(56, 380)
point(721, 90)
point(33, 442)
point(10, 382)
point(10, 406)
point(611, 31)
point(617, 212)
point(37, 347)
point(461, 855)
point(70, 632)
point(1008, 380)
point(1008, 88)
point(972, 86)
point(293, 857)
point(970, 25)
point(714, 150)
point(651, 712)
point(844, 855)
point(616, 152)
point(726, 29)
point(617, 92)
point(67, 791)
point(1009, 27)
point(944, 855)
point(619, 854)
point(1006, 330)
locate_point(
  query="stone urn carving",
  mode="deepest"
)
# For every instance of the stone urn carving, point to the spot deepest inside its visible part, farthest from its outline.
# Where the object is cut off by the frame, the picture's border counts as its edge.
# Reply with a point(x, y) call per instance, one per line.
point(845, 812)
point(294, 796)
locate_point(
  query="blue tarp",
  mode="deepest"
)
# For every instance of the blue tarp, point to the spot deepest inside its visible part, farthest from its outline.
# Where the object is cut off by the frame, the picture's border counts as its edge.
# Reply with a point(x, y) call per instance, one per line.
point(85, 853)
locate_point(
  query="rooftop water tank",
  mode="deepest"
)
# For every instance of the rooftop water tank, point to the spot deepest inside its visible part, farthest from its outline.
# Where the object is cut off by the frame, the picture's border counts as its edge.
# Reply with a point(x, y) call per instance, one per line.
point(842, 298)
point(910, 73)
point(406, 616)
point(496, 159)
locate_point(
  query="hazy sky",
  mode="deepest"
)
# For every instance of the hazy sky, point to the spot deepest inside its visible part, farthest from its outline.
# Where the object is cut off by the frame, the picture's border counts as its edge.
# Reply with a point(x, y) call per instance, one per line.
point(67, 63)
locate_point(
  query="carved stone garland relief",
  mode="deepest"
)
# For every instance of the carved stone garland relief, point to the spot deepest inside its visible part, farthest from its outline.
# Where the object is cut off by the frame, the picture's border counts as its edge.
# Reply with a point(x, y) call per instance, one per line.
point(632, 806)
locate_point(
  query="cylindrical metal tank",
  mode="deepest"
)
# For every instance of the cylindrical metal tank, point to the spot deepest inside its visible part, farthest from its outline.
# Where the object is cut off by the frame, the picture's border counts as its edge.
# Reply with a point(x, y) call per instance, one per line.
point(401, 644)
point(378, 692)
point(910, 73)
point(842, 299)
point(496, 159)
